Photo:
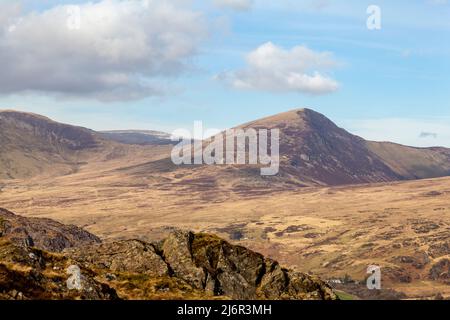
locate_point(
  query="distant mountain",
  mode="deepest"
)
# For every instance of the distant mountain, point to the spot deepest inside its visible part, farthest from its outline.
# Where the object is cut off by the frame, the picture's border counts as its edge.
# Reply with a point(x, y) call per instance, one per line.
point(140, 137)
point(32, 144)
point(313, 151)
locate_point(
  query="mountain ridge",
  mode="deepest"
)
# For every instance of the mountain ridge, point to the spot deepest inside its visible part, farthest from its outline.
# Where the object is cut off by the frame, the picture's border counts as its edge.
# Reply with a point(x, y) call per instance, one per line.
point(313, 151)
point(138, 137)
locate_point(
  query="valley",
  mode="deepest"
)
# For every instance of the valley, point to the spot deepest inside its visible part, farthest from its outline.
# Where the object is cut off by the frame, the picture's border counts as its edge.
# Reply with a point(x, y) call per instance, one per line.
point(330, 231)
point(349, 204)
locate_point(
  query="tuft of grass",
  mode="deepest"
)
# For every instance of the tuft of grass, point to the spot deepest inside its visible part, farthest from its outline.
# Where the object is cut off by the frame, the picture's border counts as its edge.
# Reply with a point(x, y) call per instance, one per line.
point(344, 295)
point(145, 287)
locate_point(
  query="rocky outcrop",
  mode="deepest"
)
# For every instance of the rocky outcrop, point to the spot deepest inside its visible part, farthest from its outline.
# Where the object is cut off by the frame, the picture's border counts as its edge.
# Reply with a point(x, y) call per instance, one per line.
point(201, 263)
point(29, 273)
point(441, 271)
point(183, 266)
point(45, 234)
point(132, 256)
point(235, 271)
point(438, 250)
point(177, 251)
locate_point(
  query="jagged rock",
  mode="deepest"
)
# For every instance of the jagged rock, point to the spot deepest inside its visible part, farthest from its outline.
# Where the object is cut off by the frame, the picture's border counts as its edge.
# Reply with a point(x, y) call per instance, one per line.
point(183, 266)
point(29, 273)
point(233, 270)
point(201, 263)
point(177, 252)
point(239, 273)
point(397, 274)
point(131, 256)
point(438, 250)
point(45, 234)
point(274, 281)
point(441, 271)
point(419, 260)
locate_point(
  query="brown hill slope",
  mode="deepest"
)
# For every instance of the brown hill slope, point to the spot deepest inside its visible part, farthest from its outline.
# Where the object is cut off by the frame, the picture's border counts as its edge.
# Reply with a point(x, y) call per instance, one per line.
point(413, 163)
point(313, 151)
point(32, 144)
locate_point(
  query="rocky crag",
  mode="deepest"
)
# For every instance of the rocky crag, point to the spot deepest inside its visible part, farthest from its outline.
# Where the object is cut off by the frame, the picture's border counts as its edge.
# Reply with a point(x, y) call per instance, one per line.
point(43, 259)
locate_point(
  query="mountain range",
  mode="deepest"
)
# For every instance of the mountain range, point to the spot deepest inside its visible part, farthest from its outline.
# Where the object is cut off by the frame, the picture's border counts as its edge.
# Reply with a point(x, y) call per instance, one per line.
point(313, 151)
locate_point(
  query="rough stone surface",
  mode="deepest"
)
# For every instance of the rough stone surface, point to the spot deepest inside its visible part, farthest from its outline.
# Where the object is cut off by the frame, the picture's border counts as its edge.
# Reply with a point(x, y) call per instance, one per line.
point(239, 273)
point(441, 271)
point(29, 273)
point(131, 256)
point(45, 234)
point(177, 252)
point(183, 266)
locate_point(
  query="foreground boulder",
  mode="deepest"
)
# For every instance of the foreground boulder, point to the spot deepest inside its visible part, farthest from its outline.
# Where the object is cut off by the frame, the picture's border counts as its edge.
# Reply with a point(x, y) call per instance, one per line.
point(43, 259)
point(202, 264)
point(30, 273)
point(45, 234)
point(214, 265)
point(131, 256)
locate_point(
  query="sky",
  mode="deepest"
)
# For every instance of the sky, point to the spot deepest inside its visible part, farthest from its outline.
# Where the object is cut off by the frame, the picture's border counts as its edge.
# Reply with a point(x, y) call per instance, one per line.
point(161, 65)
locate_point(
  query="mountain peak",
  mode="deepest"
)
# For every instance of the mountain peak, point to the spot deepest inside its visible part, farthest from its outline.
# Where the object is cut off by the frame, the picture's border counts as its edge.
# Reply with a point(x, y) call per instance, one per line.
point(300, 120)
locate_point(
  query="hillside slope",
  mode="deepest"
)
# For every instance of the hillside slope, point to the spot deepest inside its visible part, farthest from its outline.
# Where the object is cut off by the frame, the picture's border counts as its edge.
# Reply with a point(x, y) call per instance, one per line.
point(317, 151)
point(35, 146)
point(313, 151)
point(413, 163)
point(32, 144)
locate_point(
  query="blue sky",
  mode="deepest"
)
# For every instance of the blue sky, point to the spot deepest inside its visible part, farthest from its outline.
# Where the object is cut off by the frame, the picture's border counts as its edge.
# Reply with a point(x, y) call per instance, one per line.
point(392, 84)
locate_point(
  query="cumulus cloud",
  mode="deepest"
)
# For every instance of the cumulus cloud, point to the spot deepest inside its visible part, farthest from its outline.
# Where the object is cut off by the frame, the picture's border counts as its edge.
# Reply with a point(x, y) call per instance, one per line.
point(8, 13)
point(240, 5)
point(272, 68)
point(121, 50)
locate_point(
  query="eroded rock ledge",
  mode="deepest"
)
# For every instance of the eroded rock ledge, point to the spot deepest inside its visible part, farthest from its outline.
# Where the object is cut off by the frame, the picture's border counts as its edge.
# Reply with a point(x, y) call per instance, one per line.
point(183, 266)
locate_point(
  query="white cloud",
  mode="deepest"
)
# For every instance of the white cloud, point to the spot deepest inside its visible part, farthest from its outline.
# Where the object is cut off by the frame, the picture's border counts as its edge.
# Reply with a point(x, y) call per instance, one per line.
point(122, 50)
point(240, 5)
point(272, 68)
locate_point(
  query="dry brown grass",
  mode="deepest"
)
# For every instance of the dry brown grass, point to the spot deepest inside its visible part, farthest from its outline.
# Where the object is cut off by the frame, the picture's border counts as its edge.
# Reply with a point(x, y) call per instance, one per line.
point(328, 231)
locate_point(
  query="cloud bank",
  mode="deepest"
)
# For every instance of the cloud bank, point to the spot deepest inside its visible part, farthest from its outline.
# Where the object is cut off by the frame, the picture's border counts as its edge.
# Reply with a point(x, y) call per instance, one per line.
point(275, 69)
point(121, 50)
